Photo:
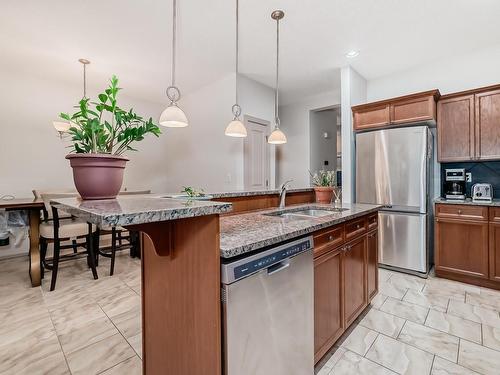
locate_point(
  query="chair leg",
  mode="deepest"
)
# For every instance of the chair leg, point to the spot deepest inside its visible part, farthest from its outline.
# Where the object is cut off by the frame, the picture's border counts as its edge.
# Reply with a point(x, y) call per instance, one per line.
point(96, 236)
point(91, 255)
point(55, 263)
point(120, 238)
point(43, 253)
point(113, 251)
point(75, 246)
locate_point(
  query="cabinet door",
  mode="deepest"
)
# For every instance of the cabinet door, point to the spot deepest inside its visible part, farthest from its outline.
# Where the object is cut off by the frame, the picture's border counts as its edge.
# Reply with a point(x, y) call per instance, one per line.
point(413, 110)
point(354, 272)
point(371, 117)
point(495, 251)
point(488, 125)
point(372, 266)
point(328, 321)
point(455, 127)
point(462, 247)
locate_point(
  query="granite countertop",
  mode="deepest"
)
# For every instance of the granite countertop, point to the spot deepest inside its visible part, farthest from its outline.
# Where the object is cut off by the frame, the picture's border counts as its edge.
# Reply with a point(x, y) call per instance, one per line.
point(248, 193)
point(138, 209)
point(468, 201)
point(251, 231)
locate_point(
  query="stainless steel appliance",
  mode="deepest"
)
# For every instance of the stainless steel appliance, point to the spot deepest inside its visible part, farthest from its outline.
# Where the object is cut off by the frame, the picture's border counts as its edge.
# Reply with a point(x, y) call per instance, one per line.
point(394, 168)
point(454, 184)
point(482, 193)
point(267, 303)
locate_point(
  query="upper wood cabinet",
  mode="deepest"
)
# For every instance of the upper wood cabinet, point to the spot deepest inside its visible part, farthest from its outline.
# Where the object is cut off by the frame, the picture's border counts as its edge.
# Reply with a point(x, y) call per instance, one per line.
point(468, 125)
point(420, 107)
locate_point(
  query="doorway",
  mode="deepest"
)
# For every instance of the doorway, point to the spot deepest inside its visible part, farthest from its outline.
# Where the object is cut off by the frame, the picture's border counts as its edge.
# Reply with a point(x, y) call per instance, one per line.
point(257, 167)
point(325, 139)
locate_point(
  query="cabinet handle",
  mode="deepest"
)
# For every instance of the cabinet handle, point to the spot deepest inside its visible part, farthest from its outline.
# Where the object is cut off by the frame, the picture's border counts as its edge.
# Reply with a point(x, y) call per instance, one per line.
point(330, 238)
point(460, 212)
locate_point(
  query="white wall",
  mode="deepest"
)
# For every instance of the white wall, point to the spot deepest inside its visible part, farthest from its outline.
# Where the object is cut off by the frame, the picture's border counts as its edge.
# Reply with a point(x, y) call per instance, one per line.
point(353, 87)
point(293, 158)
point(323, 149)
point(455, 73)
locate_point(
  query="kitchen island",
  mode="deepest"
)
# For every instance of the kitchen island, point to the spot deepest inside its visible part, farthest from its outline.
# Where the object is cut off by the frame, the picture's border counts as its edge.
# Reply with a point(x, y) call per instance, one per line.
point(183, 243)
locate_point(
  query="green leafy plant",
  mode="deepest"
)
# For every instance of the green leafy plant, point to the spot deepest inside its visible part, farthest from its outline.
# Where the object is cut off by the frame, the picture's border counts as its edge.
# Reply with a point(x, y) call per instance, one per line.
point(192, 192)
point(103, 127)
point(323, 178)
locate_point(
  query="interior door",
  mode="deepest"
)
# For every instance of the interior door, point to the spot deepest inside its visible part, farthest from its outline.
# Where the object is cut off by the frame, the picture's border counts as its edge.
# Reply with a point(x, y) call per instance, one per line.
point(256, 155)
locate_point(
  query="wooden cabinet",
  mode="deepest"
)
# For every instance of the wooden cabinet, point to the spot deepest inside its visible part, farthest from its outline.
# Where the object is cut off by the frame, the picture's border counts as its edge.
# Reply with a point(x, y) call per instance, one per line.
point(468, 125)
point(420, 107)
point(372, 264)
point(328, 306)
point(494, 251)
point(456, 128)
point(345, 278)
point(354, 269)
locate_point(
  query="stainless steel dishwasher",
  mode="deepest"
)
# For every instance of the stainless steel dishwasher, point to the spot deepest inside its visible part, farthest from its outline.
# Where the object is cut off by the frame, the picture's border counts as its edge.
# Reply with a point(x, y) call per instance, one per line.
point(268, 302)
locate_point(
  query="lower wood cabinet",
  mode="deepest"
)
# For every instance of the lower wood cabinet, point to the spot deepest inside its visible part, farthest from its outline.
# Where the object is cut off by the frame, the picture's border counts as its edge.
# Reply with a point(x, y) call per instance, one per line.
point(345, 279)
point(494, 251)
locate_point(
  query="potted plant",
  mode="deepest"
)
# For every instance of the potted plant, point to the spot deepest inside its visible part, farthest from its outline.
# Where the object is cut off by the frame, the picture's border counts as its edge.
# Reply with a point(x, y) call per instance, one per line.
point(101, 132)
point(323, 182)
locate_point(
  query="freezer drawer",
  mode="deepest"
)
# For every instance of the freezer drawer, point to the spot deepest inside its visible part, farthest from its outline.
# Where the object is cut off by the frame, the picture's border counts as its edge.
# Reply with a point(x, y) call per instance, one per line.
point(403, 240)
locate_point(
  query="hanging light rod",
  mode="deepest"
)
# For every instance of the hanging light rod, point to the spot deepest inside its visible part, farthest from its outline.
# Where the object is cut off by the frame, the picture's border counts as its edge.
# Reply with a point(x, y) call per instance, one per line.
point(277, 137)
point(173, 116)
point(236, 128)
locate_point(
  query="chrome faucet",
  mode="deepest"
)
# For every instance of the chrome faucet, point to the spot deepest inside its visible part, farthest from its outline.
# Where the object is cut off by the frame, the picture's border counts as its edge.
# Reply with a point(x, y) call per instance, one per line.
point(283, 194)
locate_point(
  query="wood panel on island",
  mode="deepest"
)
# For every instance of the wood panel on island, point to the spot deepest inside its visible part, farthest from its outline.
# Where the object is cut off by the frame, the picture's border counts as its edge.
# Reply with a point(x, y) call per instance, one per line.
point(467, 244)
point(400, 111)
point(345, 277)
point(468, 125)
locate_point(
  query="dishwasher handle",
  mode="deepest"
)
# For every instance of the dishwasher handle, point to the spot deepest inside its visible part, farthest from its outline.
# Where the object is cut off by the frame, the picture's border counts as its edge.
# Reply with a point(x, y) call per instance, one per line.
point(275, 268)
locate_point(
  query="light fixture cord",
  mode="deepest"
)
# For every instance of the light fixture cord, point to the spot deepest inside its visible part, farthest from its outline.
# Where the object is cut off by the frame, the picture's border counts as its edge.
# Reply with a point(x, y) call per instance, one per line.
point(237, 46)
point(174, 44)
point(84, 81)
point(276, 97)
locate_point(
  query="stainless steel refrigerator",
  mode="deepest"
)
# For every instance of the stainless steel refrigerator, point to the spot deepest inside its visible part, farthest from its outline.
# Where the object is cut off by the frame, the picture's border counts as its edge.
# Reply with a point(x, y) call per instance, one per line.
point(394, 168)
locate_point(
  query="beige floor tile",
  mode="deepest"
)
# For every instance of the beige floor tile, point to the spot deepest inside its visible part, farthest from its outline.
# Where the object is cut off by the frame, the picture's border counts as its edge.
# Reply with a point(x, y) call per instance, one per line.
point(443, 367)
point(450, 286)
point(129, 322)
point(378, 300)
point(136, 344)
point(454, 325)
point(433, 301)
point(72, 317)
point(131, 366)
point(474, 313)
point(407, 281)
point(119, 301)
point(479, 358)
point(392, 290)
point(384, 275)
point(100, 356)
point(405, 310)
point(382, 322)
point(430, 340)
point(484, 300)
point(433, 290)
point(491, 337)
point(400, 357)
point(360, 340)
point(335, 357)
point(87, 334)
point(351, 363)
point(26, 332)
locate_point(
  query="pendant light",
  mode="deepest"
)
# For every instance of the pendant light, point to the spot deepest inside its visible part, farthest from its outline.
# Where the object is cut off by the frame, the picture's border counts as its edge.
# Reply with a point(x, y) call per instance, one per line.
point(173, 116)
point(62, 126)
point(236, 128)
point(277, 137)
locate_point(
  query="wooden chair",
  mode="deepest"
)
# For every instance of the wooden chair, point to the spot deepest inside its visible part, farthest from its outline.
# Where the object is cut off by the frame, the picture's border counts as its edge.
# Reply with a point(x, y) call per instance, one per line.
point(58, 227)
point(121, 238)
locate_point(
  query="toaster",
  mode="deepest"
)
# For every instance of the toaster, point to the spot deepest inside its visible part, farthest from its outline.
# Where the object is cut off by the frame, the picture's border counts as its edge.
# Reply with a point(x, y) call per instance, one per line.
point(482, 193)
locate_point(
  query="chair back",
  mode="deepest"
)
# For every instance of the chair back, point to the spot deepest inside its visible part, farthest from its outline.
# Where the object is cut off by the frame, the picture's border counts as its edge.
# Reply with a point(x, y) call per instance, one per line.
point(47, 197)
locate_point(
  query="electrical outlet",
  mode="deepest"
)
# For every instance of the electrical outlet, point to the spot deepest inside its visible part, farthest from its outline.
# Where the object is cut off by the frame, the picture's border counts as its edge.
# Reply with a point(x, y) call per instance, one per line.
point(468, 177)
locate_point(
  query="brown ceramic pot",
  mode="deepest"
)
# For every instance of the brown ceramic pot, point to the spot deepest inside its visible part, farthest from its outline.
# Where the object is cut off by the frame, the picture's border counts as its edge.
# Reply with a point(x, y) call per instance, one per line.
point(324, 194)
point(97, 176)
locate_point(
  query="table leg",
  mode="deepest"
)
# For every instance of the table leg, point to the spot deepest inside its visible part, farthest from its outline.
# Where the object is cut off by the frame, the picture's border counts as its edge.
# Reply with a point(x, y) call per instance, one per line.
point(35, 272)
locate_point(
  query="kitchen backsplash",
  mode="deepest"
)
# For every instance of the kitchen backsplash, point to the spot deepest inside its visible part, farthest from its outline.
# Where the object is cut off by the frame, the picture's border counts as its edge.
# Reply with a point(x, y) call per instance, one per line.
point(486, 172)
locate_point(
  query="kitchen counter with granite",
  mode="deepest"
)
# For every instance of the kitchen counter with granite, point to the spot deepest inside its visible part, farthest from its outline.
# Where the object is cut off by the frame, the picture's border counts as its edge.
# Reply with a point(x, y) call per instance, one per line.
point(138, 209)
point(248, 232)
point(249, 193)
point(468, 201)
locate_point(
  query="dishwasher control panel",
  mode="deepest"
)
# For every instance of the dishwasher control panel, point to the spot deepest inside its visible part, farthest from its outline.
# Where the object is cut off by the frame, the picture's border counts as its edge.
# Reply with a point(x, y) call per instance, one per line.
point(247, 266)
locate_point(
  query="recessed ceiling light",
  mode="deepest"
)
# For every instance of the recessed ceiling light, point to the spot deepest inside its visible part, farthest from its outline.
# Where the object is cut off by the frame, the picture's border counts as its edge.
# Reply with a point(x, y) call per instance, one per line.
point(352, 54)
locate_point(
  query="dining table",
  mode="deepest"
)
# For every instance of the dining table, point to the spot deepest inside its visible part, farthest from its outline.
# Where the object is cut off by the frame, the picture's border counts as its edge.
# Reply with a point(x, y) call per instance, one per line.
point(33, 207)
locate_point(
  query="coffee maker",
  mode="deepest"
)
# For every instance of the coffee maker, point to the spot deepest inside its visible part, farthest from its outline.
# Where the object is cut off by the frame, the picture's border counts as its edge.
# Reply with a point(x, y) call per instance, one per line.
point(454, 184)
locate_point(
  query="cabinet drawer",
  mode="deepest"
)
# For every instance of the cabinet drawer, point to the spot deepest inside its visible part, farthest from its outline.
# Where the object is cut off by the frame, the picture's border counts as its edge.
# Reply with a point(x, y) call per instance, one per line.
point(327, 239)
point(462, 211)
point(372, 221)
point(355, 228)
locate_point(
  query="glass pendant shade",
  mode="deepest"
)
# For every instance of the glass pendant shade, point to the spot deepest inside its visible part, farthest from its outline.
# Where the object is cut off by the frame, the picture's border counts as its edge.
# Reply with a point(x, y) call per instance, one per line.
point(277, 137)
point(173, 117)
point(61, 127)
point(236, 129)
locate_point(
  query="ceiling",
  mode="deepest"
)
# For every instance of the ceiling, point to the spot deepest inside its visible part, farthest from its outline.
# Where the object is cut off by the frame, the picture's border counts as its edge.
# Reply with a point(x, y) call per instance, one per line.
point(132, 39)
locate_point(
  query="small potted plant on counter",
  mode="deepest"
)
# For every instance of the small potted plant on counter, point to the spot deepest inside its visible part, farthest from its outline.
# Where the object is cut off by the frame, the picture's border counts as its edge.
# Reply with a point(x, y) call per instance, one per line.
point(323, 182)
point(101, 132)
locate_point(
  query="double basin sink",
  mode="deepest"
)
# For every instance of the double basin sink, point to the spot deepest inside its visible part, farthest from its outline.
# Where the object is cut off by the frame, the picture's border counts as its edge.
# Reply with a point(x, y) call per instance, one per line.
point(306, 213)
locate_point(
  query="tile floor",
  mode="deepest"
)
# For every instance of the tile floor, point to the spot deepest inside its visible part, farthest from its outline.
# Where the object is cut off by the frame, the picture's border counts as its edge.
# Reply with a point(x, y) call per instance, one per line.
point(413, 326)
